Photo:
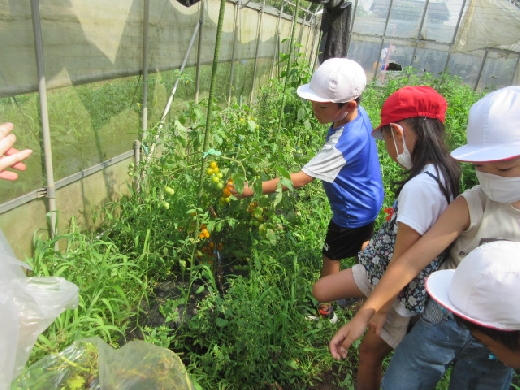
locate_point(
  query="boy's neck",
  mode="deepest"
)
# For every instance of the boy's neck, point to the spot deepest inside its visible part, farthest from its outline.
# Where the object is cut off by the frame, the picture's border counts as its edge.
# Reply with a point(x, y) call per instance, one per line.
point(348, 118)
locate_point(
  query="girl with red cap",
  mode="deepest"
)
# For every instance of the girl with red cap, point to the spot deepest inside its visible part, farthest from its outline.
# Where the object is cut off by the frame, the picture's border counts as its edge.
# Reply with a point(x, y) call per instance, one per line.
point(413, 131)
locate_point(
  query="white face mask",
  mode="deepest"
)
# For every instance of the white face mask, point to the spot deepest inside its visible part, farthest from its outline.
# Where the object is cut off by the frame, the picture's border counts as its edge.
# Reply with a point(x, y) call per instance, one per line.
point(405, 158)
point(498, 188)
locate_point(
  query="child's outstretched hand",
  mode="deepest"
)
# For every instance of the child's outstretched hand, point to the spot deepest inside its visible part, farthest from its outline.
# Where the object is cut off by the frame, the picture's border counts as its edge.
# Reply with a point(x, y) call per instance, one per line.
point(347, 334)
point(246, 191)
point(9, 156)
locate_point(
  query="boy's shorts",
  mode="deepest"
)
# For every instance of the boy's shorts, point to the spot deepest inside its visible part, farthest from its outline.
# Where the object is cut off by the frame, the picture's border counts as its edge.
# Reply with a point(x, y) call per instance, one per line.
point(341, 243)
point(396, 326)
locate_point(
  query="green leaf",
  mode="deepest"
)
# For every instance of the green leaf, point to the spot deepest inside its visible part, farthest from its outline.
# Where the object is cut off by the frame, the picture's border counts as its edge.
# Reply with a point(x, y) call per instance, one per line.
point(221, 322)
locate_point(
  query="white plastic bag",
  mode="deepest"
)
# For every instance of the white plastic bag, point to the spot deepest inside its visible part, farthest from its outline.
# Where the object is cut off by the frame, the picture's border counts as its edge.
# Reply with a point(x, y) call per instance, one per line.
point(28, 305)
point(95, 365)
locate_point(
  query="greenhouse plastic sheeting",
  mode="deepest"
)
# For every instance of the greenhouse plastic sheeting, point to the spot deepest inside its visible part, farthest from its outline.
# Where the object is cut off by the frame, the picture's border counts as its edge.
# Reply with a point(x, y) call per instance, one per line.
point(489, 24)
point(91, 40)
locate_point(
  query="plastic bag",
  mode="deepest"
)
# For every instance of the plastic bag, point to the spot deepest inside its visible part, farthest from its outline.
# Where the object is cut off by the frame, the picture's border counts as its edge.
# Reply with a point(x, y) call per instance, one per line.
point(28, 305)
point(93, 364)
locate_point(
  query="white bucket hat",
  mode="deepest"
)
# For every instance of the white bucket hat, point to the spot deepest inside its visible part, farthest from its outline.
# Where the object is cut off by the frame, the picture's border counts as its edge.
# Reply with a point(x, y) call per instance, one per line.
point(337, 80)
point(493, 132)
point(484, 289)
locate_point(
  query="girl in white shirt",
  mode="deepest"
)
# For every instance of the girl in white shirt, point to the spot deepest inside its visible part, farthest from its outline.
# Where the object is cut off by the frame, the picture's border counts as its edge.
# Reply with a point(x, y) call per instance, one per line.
point(413, 131)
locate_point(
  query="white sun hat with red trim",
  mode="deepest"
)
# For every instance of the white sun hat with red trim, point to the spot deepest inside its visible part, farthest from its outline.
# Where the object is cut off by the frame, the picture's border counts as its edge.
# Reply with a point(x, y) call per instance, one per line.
point(485, 287)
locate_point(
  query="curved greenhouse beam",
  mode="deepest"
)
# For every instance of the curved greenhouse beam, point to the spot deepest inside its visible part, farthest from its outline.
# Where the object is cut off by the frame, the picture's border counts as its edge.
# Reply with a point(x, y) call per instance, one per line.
point(46, 134)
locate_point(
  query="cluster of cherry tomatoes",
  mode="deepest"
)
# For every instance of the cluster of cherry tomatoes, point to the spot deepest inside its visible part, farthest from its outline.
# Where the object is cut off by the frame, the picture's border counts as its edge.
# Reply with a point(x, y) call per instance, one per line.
point(170, 191)
point(215, 174)
point(258, 215)
point(226, 192)
point(204, 233)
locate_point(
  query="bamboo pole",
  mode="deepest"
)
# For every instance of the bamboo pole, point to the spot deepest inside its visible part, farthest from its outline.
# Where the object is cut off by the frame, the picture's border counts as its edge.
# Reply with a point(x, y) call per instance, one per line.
point(205, 143)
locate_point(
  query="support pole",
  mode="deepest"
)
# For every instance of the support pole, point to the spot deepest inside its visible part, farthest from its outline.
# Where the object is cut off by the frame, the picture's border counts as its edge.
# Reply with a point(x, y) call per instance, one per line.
point(481, 70)
point(352, 23)
point(258, 39)
point(146, 24)
point(315, 42)
point(172, 94)
point(461, 12)
point(277, 44)
point(383, 38)
point(418, 37)
point(46, 134)
point(235, 39)
point(199, 50)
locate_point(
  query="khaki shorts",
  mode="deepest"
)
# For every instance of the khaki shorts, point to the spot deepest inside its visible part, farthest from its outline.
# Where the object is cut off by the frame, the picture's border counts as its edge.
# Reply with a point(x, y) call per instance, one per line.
point(396, 325)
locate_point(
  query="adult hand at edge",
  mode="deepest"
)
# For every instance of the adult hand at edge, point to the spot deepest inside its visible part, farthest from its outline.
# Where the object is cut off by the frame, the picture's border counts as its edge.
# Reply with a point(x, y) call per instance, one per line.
point(10, 157)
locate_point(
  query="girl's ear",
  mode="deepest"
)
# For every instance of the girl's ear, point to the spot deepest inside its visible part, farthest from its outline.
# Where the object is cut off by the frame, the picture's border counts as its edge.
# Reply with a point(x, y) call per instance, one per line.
point(397, 130)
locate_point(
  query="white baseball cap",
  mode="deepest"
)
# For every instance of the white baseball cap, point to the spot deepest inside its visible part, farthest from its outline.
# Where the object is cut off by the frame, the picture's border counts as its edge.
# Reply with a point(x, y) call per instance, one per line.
point(337, 80)
point(493, 132)
point(484, 289)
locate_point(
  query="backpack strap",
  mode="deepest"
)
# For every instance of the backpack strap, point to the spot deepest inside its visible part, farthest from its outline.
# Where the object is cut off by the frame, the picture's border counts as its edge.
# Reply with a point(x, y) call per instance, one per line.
point(441, 186)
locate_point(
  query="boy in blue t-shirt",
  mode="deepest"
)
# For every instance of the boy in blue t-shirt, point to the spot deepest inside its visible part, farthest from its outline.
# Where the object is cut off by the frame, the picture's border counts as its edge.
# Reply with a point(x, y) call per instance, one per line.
point(347, 165)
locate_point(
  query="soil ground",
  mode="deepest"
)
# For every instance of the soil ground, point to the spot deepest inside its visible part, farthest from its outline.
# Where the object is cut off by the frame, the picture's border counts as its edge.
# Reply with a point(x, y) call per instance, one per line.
point(152, 317)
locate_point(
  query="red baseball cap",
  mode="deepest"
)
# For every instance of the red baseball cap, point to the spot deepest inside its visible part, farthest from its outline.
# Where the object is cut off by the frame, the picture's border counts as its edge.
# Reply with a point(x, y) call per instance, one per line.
point(410, 102)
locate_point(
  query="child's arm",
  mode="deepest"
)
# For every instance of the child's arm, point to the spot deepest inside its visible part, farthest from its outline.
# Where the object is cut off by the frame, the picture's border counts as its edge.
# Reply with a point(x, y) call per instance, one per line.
point(299, 179)
point(403, 269)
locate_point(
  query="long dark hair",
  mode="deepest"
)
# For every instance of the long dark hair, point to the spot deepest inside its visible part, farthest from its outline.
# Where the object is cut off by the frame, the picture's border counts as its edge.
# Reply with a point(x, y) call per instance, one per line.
point(430, 148)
